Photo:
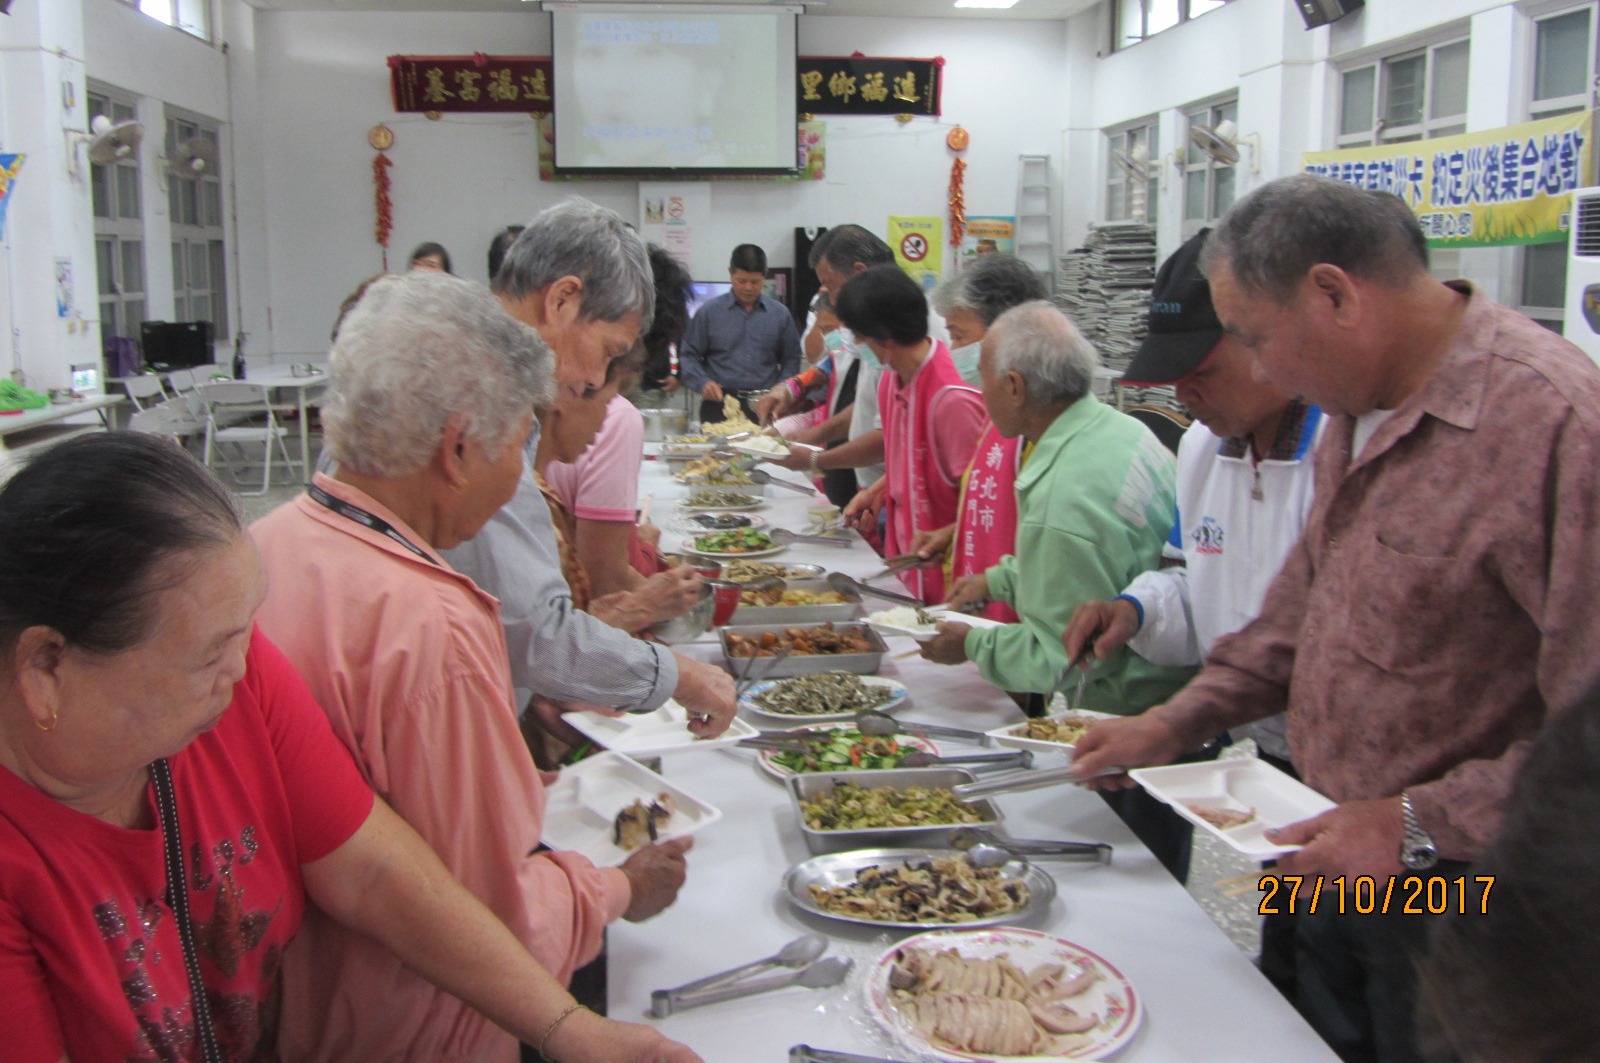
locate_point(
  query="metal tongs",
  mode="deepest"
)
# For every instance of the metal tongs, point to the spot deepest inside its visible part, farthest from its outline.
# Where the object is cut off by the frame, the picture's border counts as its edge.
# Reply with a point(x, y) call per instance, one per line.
point(977, 840)
point(801, 954)
point(751, 675)
point(807, 1054)
point(1017, 781)
point(896, 565)
point(785, 537)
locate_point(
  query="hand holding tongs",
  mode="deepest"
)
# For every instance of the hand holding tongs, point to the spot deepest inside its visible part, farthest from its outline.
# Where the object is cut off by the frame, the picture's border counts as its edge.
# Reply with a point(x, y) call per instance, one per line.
point(1085, 654)
point(729, 985)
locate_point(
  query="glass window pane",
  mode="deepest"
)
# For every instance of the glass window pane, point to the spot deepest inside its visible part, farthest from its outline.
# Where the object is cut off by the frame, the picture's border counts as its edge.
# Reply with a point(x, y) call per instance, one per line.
point(1152, 200)
point(108, 321)
point(1226, 112)
point(105, 253)
point(200, 306)
point(132, 266)
point(212, 191)
point(172, 199)
point(1130, 22)
point(1163, 15)
point(189, 197)
point(1200, 7)
point(132, 316)
point(1544, 275)
point(1561, 65)
point(199, 268)
point(100, 189)
point(1449, 81)
point(1356, 99)
point(1194, 195)
point(1116, 201)
point(180, 308)
point(219, 287)
point(1221, 190)
point(98, 104)
point(127, 191)
point(1402, 103)
point(121, 112)
point(180, 276)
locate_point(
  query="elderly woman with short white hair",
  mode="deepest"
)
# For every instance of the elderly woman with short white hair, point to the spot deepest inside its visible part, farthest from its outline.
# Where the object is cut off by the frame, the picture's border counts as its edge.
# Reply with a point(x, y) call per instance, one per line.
point(432, 389)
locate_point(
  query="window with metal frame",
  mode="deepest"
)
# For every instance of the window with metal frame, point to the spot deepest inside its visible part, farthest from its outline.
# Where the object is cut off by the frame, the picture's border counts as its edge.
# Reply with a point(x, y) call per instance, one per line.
point(1411, 96)
point(1135, 20)
point(194, 204)
point(191, 16)
point(118, 227)
point(1562, 72)
point(1208, 184)
point(1127, 198)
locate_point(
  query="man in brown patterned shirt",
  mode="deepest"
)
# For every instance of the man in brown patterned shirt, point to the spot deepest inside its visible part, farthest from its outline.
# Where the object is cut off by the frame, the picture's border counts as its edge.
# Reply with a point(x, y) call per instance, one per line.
point(1437, 610)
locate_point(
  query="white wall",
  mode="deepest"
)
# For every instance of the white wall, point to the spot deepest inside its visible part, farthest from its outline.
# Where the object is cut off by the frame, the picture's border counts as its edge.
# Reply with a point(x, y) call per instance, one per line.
point(323, 83)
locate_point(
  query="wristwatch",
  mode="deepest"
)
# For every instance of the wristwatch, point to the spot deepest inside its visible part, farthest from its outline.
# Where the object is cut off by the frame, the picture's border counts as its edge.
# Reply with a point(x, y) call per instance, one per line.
point(1417, 850)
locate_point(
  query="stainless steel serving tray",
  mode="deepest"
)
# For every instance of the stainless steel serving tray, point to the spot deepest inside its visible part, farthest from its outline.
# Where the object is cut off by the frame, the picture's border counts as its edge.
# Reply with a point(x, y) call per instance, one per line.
point(796, 664)
point(795, 615)
point(806, 787)
point(834, 870)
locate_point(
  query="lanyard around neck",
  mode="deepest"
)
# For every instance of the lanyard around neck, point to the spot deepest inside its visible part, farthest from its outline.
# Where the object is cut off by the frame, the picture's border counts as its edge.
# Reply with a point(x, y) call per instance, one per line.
point(366, 520)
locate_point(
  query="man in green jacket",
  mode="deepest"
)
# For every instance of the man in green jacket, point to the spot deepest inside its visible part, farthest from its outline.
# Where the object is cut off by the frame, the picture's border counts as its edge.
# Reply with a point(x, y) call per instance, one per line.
point(1095, 502)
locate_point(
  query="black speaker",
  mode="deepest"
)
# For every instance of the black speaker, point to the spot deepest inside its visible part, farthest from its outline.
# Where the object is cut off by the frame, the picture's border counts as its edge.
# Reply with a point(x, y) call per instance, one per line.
point(177, 344)
point(805, 278)
point(1321, 12)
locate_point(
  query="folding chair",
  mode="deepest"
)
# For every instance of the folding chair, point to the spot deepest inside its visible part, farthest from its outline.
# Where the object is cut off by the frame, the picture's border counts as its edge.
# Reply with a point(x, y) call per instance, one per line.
point(175, 419)
point(144, 389)
point(238, 418)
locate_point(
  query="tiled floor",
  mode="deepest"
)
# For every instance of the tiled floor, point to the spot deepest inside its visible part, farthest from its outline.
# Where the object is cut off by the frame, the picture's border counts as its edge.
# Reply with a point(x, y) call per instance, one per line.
point(1212, 862)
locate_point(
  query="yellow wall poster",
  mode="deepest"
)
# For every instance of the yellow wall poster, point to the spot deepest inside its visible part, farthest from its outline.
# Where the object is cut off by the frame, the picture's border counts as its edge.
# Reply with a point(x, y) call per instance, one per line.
point(918, 244)
point(1486, 189)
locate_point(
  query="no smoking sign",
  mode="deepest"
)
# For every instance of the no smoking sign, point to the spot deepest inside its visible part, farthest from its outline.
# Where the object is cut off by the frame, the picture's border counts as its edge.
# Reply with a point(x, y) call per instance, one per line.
point(914, 247)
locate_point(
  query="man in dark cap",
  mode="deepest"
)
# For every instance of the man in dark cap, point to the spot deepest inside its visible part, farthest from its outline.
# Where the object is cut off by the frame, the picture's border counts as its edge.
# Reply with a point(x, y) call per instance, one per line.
point(1245, 484)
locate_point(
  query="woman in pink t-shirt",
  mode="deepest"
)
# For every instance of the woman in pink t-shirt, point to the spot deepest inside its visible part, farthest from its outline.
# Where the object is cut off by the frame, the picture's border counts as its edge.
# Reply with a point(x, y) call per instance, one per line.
point(150, 735)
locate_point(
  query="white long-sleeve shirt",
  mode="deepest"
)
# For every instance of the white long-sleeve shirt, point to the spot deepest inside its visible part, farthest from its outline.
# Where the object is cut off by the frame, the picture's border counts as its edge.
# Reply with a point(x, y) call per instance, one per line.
point(1237, 519)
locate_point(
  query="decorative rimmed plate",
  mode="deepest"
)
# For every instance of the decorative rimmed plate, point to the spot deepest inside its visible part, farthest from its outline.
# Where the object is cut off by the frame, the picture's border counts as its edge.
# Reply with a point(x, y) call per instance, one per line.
point(747, 702)
point(690, 547)
point(1112, 998)
point(1008, 736)
point(765, 757)
point(834, 870)
point(1238, 784)
point(651, 734)
point(688, 523)
point(586, 797)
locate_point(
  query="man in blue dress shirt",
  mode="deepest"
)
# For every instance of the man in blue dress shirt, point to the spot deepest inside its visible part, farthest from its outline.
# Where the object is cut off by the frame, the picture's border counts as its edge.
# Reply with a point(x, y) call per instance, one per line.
point(740, 343)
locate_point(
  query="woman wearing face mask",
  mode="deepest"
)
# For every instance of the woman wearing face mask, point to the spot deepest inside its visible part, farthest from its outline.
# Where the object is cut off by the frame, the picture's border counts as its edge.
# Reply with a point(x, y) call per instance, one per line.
point(969, 302)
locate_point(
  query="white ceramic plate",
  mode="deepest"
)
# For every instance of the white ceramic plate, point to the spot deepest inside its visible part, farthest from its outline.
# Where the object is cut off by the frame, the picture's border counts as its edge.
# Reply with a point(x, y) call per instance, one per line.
point(683, 504)
point(1239, 784)
point(746, 702)
point(1111, 998)
point(690, 547)
point(1007, 736)
point(651, 734)
point(588, 795)
point(687, 523)
point(923, 634)
point(765, 757)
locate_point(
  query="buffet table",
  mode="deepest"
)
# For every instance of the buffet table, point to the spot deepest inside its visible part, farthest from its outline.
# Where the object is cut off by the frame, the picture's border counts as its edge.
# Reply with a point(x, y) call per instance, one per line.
point(1203, 999)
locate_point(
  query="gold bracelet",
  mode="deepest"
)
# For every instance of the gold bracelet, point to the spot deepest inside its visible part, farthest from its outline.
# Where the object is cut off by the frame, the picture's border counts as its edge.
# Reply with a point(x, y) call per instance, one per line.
point(816, 465)
point(557, 1021)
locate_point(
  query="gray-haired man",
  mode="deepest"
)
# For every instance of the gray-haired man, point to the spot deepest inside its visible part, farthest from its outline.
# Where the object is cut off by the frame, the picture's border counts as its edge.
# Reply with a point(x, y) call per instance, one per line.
point(580, 276)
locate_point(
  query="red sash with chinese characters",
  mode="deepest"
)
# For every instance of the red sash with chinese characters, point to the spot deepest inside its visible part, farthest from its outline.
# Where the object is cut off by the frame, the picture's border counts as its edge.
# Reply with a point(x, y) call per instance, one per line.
point(986, 529)
point(921, 498)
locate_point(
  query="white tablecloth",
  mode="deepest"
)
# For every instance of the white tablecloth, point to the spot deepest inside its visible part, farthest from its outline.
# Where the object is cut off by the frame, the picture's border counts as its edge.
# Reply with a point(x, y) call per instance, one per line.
point(1204, 1000)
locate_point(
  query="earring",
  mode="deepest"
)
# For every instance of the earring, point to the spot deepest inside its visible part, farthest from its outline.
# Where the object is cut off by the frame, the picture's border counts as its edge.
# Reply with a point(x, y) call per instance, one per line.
point(458, 487)
point(55, 718)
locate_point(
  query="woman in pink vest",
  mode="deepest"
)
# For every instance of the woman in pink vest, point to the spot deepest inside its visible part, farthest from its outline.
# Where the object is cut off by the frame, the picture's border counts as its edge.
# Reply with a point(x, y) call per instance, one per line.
point(985, 529)
point(931, 418)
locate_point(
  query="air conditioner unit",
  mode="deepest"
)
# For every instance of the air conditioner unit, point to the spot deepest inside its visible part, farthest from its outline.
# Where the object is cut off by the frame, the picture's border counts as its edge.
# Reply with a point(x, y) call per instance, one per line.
point(1583, 273)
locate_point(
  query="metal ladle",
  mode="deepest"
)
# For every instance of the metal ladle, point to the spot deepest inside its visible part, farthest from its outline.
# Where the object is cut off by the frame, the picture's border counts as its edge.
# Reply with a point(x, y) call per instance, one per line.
point(850, 585)
point(882, 725)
